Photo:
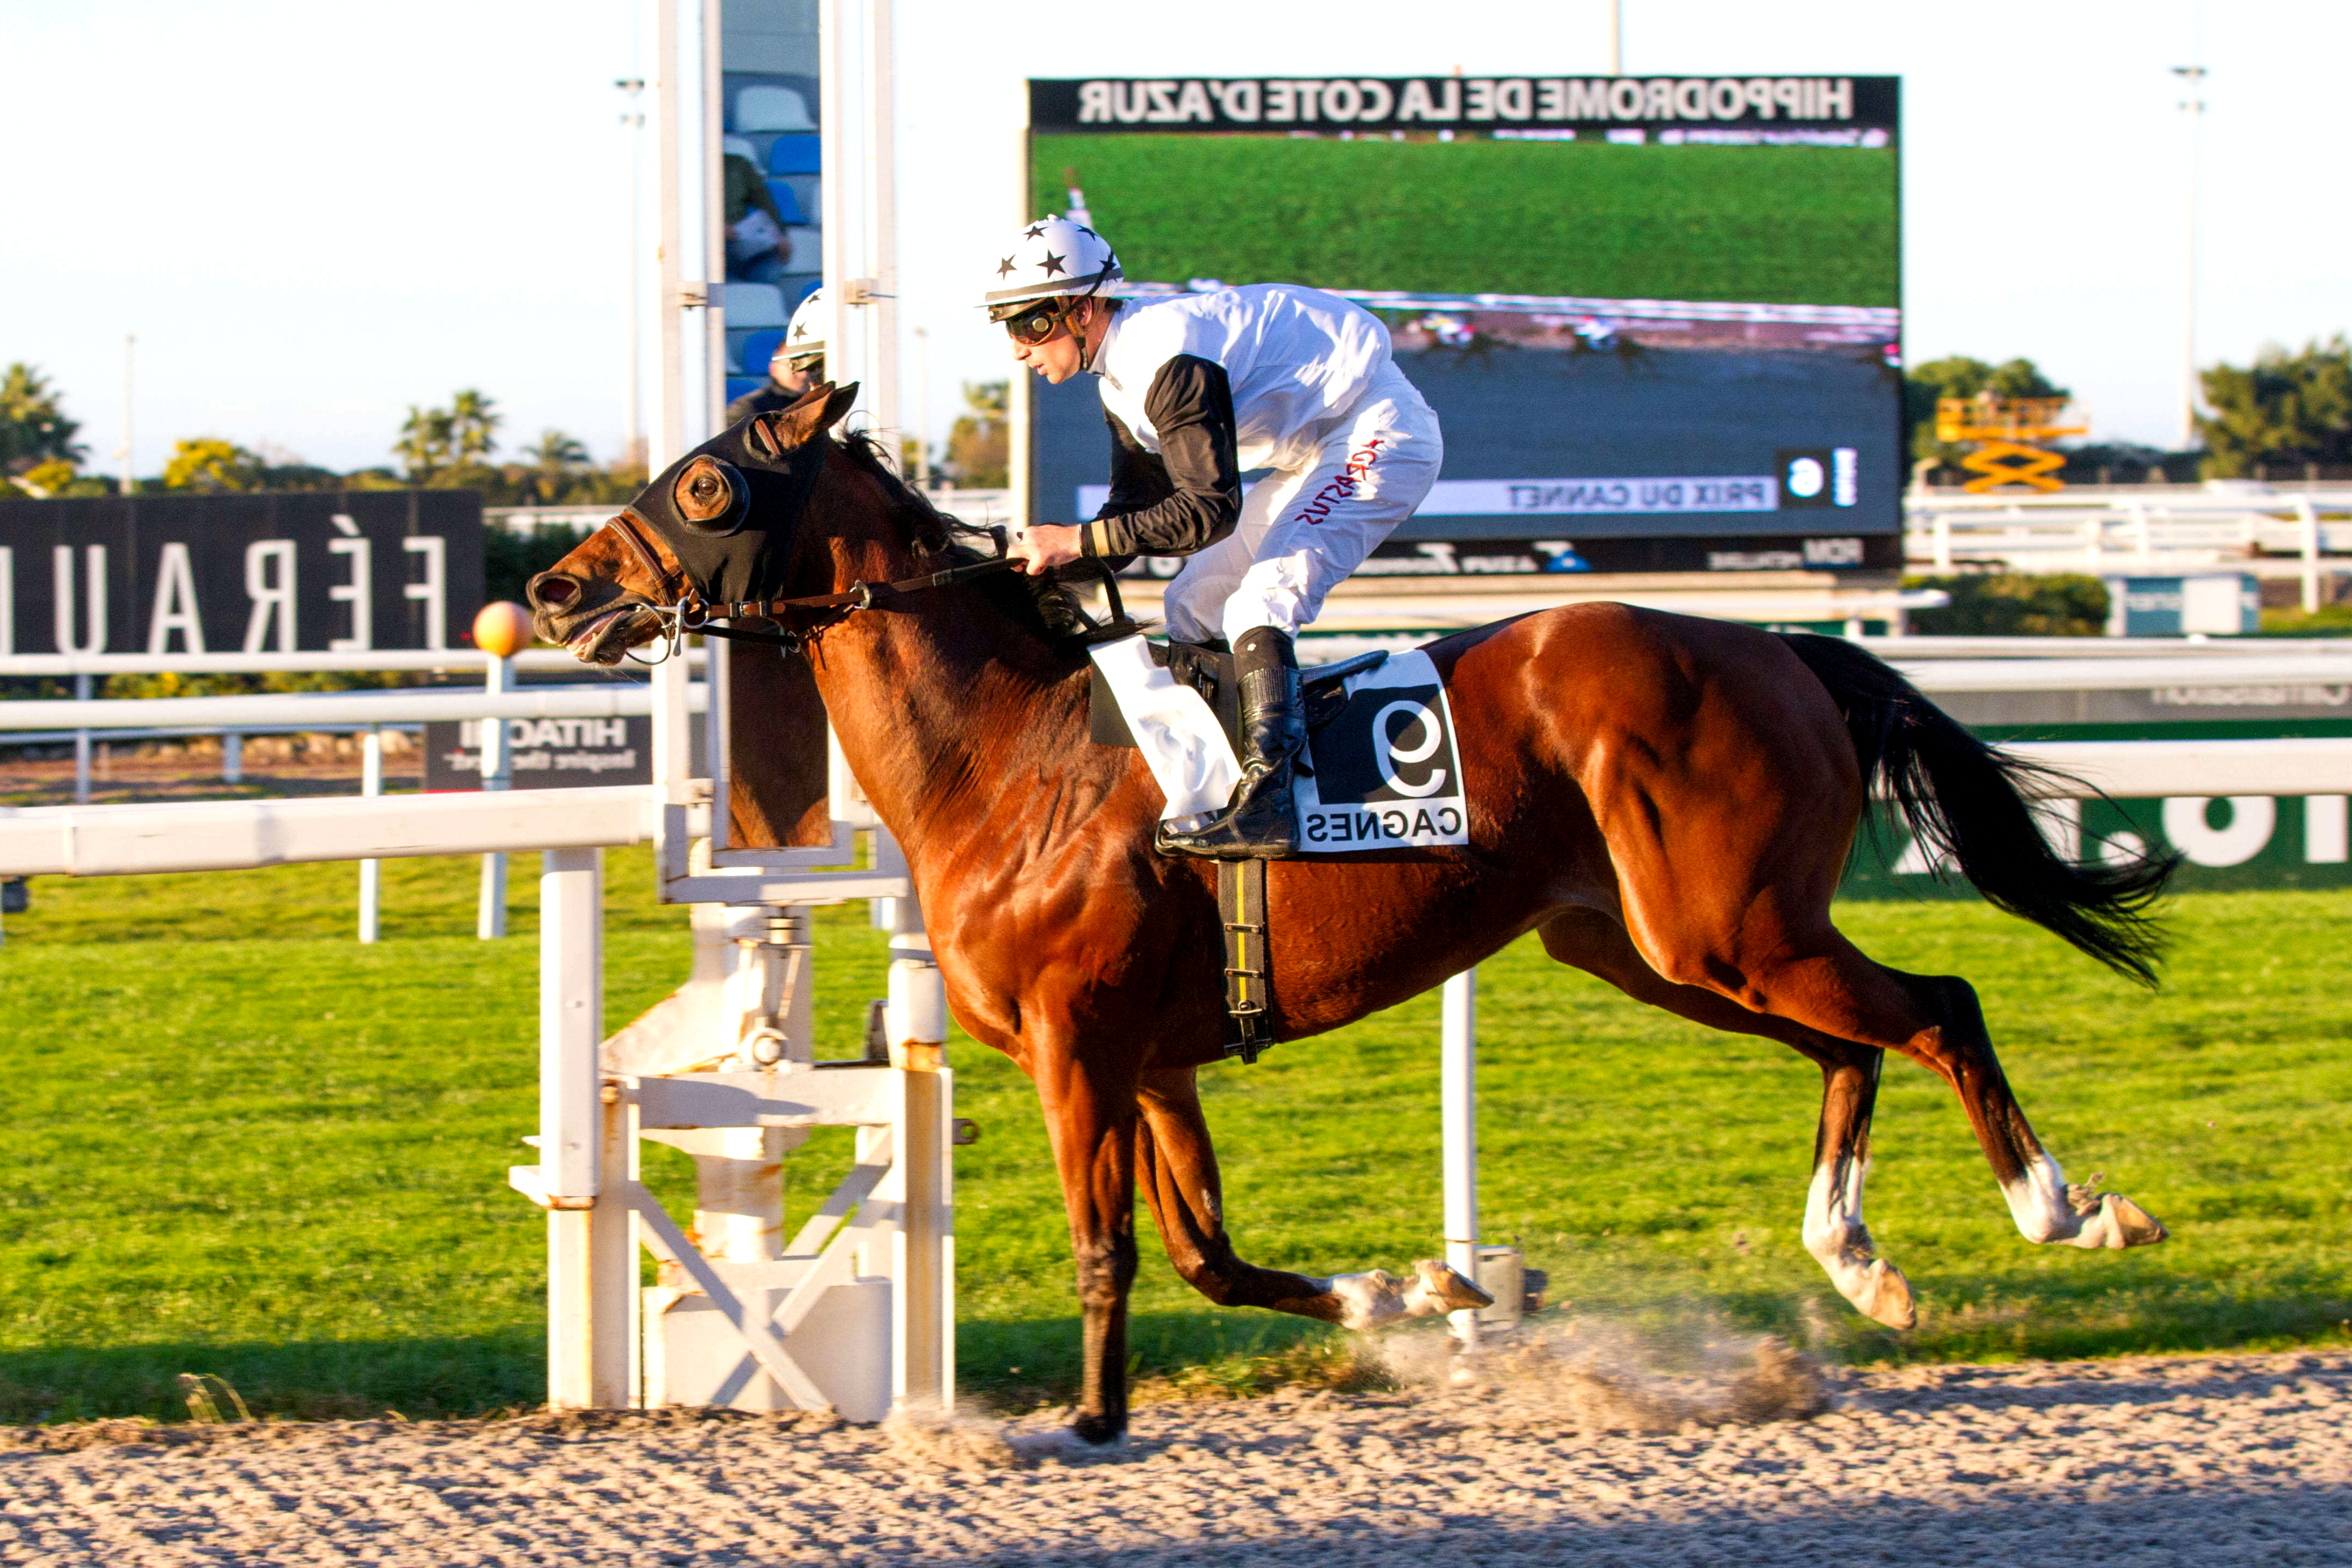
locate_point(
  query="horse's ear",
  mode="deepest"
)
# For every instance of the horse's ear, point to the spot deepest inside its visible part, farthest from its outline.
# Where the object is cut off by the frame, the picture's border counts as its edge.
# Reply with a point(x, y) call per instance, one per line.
point(819, 409)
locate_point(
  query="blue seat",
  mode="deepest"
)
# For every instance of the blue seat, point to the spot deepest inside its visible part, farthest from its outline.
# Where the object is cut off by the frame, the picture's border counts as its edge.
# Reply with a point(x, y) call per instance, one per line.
point(797, 288)
point(787, 201)
point(757, 350)
point(757, 305)
point(737, 385)
point(795, 155)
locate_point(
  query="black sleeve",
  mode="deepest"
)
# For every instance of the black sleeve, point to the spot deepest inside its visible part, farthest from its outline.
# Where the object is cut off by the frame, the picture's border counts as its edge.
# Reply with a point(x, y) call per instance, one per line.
point(1190, 496)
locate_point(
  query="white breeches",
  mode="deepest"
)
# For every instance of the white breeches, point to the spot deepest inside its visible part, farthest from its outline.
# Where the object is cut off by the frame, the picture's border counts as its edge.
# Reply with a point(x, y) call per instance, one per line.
point(1301, 533)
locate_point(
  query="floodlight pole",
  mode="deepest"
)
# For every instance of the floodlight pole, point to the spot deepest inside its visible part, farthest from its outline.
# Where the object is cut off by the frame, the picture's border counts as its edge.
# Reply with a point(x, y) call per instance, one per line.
point(2194, 107)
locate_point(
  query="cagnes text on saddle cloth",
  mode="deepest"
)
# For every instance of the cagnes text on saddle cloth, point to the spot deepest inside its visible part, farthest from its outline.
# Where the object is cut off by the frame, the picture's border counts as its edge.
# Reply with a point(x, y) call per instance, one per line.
point(1387, 773)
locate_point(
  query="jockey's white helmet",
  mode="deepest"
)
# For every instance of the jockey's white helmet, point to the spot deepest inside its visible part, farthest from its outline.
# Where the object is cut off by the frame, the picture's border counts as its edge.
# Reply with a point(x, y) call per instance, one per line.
point(805, 339)
point(1051, 258)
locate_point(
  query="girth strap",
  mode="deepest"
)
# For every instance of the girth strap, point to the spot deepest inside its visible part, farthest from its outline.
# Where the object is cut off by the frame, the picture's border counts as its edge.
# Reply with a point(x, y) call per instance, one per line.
point(1241, 909)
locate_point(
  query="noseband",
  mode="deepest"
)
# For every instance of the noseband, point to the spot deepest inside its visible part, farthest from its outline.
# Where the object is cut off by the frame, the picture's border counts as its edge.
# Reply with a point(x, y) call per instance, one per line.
point(688, 612)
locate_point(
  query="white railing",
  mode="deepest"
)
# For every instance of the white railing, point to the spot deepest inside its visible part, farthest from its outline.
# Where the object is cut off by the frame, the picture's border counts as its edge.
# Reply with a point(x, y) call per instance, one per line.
point(2145, 530)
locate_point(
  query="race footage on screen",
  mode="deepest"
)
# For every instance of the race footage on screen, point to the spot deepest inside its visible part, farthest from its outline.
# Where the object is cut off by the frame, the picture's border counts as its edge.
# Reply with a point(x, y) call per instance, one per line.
point(1660, 318)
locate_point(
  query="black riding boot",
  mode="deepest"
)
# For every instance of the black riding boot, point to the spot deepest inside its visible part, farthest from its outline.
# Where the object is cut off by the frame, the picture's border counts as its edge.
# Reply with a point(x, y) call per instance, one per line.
point(1260, 823)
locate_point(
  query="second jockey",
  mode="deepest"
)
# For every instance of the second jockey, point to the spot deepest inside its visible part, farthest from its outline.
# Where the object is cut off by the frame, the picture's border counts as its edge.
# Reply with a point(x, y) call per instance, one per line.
point(1199, 389)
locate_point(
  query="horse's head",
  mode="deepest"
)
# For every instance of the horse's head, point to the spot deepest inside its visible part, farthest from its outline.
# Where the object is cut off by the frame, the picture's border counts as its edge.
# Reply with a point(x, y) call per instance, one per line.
point(718, 526)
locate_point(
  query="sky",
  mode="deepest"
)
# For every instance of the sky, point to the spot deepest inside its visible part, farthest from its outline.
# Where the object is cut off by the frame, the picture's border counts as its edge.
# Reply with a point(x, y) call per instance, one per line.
point(314, 216)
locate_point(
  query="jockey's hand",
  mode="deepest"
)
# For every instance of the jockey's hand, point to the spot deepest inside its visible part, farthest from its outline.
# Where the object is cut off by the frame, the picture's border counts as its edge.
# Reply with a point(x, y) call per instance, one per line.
point(1041, 549)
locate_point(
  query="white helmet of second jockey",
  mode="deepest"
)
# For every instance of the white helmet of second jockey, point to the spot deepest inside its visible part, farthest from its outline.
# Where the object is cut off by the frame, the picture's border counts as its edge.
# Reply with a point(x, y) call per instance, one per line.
point(1048, 267)
point(804, 338)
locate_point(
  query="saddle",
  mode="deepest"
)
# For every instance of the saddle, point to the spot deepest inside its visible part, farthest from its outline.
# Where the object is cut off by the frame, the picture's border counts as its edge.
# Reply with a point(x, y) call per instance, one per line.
point(1240, 884)
point(1208, 669)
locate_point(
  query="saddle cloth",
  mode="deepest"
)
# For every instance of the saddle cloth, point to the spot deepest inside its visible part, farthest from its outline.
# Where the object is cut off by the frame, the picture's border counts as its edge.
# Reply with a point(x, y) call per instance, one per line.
point(1382, 769)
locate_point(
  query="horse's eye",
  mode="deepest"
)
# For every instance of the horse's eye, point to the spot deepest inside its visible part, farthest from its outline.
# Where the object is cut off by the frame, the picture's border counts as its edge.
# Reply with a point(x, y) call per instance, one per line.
point(705, 491)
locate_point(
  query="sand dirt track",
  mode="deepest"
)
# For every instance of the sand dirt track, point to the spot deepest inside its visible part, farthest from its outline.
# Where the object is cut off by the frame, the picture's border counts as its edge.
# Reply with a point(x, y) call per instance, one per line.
point(2204, 1461)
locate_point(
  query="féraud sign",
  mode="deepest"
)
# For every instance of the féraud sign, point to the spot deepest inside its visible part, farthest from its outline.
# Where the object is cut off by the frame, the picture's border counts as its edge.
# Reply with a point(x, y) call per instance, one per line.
point(1693, 107)
point(326, 572)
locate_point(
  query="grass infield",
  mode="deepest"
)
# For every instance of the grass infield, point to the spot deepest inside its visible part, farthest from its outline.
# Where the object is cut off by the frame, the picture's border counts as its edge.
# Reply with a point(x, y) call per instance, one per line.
point(237, 1142)
point(1771, 225)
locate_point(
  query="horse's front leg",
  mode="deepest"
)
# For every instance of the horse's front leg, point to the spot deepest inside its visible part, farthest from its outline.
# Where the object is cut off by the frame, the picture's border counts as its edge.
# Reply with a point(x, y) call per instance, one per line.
point(1180, 1181)
point(1091, 1114)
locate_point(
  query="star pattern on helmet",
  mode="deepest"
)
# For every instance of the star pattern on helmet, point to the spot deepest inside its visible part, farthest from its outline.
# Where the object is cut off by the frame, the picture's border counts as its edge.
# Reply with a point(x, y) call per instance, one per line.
point(801, 331)
point(1032, 231)
point(1053, 263)
point(1005, 268)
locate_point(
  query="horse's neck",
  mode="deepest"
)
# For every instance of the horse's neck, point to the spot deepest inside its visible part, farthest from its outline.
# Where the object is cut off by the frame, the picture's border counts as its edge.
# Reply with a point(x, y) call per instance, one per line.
point(940, 705)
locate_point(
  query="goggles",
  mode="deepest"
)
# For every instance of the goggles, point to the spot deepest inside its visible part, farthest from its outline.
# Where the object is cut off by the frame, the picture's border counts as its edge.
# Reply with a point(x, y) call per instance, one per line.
point(1037, 323)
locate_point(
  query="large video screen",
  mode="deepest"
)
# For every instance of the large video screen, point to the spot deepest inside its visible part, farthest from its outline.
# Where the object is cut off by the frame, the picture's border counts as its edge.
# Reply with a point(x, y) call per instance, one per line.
point(1659, 319)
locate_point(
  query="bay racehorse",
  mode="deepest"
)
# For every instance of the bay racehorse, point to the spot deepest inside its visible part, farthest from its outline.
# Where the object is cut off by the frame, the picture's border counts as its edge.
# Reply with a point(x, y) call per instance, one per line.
point(1668, 802)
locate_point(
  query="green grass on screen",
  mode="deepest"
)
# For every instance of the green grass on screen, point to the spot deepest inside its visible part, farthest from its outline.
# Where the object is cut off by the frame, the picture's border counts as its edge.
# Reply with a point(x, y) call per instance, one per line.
point(1775, 225)
point(237, 1142)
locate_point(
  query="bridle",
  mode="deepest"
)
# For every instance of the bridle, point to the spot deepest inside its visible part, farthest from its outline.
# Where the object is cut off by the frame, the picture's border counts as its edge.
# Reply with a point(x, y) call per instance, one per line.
point(688, 612)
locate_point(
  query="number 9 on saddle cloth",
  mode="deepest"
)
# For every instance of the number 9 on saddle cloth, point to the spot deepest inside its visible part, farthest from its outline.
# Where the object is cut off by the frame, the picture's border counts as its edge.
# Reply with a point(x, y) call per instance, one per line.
point(1382, 769)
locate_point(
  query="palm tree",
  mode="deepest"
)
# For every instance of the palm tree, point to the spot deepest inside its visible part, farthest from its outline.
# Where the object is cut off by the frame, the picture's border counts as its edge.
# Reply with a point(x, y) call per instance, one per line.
point(555, 458)
point(474, 420)
point(425, 443)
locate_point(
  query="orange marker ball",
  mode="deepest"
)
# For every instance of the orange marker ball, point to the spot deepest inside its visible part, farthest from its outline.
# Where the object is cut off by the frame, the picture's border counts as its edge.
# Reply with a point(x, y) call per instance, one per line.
point(502, 629)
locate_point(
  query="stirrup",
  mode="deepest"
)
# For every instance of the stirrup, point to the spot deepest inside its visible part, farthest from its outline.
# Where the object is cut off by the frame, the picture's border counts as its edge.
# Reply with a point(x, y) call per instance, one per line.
point(1269, 833)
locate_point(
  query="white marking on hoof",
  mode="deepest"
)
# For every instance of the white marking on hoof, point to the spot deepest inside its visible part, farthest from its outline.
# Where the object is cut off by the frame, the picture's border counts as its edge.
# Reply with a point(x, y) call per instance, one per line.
point(1438, 1289)
point(1840, 1241)
point(1367, 1301)
point(2047, 1208)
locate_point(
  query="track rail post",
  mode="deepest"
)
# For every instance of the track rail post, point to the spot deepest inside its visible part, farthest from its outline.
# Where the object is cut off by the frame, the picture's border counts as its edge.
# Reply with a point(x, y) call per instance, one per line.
point(1458, 1115)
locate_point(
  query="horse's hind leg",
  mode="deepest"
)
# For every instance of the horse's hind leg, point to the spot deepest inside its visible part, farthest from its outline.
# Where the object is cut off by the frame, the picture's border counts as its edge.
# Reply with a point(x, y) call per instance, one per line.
point(1178, 1169)
point(1834, 1232)
point(1936, 1021)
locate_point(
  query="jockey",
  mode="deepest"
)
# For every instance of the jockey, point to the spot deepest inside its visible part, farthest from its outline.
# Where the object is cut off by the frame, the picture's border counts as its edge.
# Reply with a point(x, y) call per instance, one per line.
point(797, 365)
point(1197, 389)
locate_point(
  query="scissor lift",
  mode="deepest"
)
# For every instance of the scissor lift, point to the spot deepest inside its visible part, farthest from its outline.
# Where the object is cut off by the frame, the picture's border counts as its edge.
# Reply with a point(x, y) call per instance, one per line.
point(2006, 430)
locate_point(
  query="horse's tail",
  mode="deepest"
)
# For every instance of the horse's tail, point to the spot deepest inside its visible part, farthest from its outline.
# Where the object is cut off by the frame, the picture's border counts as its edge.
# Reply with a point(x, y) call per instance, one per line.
point(1962, 798)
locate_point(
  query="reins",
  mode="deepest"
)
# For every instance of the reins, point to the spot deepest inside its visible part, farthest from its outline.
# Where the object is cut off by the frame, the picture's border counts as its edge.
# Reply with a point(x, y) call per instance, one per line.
point(688, 614)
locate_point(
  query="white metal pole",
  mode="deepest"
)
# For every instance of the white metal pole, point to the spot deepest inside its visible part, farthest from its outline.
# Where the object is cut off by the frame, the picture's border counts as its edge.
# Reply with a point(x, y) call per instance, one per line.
point(370, 871)
point(1616, 37)
point(1017, 408)
point(835, 187)
point(232, 758)
point(571, 1129)
point(633, 404)
point(878, 115)
point(2194, 105)
point(498, 773)
point(1458, 1115)
point(710, 146)
point(81, 746)
point(2308, 516)
point(130, 480)
point(669, 426)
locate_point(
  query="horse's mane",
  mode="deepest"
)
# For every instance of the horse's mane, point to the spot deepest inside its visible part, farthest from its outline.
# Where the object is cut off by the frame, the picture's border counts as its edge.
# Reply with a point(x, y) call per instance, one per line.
point(950, 540)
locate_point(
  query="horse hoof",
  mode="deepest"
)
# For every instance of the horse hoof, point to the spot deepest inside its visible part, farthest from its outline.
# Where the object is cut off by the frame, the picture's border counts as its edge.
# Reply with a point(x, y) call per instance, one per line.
point(1438, 1289)
point(2129, 1224)
point(1884, 1296)
point(1098, 1431)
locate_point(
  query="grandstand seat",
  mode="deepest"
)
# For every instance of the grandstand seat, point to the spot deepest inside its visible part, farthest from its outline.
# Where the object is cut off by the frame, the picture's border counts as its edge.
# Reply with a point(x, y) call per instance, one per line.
point(737, 385)
point(787, 200)
point(799, 285)
point(764, 106)
point(758, 348)
point(808, 247)
point(795, 155)
point(738, 147)
point(756, 305)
